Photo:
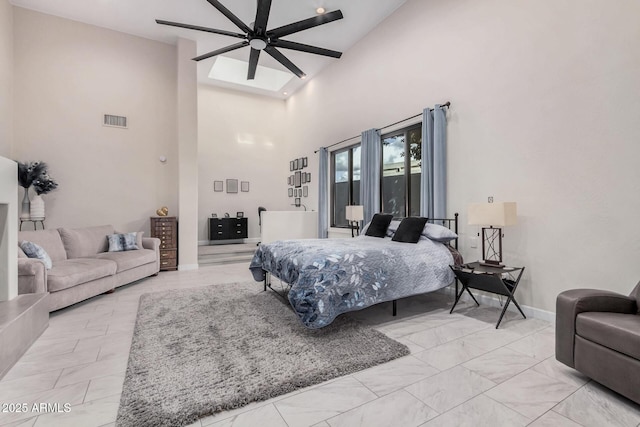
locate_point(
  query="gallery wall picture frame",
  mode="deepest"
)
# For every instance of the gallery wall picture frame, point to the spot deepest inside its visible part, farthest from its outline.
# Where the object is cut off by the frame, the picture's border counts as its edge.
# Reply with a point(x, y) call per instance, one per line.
point(244, 186)
point(308, 177)
point(305, 162)
point(304, 178)
point(297, 202)
point(291, 166)
point(305, 191)
point(232, 185)
point(290, 192)
point(296, 166)
point(297, 181)
point(218, 186)
point(301, 162)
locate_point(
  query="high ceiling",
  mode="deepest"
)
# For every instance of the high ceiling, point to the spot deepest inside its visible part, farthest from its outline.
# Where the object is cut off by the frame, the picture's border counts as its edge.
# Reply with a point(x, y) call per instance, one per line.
point(138, 18)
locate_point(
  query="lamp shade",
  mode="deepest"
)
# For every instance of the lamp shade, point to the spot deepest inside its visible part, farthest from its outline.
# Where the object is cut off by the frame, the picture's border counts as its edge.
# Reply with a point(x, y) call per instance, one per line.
point(497, 214)
point(354, 213)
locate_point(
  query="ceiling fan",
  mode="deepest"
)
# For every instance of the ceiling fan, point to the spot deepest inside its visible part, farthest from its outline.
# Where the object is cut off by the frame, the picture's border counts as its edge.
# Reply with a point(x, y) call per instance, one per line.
point(259, 38)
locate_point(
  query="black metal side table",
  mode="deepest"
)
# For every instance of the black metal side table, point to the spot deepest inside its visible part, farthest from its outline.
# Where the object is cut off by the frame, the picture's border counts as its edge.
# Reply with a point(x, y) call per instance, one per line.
point(489, 279)
point(32, 221)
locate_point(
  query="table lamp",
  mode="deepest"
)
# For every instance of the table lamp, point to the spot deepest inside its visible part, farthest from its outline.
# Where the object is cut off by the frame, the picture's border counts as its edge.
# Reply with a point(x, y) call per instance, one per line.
point(354, 215)
point(495, 216)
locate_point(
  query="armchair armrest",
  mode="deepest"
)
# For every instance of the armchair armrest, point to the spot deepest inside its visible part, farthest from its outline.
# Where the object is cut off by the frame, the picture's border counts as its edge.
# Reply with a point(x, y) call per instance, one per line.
point(153, 243)
point(32, 276)
point(571, 303)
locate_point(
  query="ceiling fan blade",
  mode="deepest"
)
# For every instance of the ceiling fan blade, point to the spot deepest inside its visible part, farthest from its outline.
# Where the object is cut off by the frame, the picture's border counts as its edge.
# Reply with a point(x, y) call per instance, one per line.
point(220, 51)
point(305, 24)
point(253, 64)
point(197, 28)
point(285, 44)
point(262, 17)
point(230, 16)
point(278, 56)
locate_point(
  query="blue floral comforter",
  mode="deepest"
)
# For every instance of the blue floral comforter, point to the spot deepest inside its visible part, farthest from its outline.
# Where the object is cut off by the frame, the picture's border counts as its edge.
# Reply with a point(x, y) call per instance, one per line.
point(329, 277)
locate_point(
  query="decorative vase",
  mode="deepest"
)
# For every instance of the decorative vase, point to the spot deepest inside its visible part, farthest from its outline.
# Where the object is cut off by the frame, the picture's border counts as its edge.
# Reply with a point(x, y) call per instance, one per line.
point(37, 208)
point(24, 214)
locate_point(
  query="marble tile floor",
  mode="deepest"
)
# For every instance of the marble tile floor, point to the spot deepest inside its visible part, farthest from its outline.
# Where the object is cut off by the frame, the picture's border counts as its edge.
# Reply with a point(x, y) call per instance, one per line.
point(461, 371)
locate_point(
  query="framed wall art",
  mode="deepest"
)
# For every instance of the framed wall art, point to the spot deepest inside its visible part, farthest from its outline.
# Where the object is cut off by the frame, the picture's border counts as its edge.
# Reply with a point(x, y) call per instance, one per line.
point(305, 191)
point(232, 186)
point(297, 181)
point(244, 186)
point(218, 186)
point(297, 202)
point(290, 192)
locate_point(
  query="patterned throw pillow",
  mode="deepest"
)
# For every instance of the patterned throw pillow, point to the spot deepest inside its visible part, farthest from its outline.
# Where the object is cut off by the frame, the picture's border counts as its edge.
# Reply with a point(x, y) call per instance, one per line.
point(36, 251)
point(122, 242)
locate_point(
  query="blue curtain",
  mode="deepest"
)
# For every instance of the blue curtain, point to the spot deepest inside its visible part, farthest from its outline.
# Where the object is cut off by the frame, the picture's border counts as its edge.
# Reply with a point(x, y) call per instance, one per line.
point(371, 153)
point(433, 203)
point(323, 194)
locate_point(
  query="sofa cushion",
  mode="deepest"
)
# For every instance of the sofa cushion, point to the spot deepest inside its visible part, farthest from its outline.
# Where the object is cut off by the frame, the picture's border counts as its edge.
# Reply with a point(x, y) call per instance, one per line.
point(122, 242)
point(72, 272)
point(85, 242)
point(33, 250)
point(129, 259)
point(617, 331)
point(49, 240)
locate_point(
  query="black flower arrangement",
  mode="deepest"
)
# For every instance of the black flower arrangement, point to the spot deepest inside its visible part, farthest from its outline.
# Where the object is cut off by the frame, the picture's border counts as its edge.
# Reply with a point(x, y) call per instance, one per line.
point(35, 173)
point(29, 172)
point(44, 184)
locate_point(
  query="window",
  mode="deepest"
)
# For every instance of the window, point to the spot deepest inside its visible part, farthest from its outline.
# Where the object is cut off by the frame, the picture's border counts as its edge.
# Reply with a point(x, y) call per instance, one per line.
point(401, 163)
point(345, 183)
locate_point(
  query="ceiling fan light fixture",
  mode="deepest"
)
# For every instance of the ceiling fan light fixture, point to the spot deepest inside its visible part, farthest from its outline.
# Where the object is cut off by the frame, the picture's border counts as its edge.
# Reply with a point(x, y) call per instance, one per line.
point(258, 44)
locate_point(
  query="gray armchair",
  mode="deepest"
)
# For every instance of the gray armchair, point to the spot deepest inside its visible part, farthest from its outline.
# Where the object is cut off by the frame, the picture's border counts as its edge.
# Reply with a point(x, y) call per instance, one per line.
point(598, 334)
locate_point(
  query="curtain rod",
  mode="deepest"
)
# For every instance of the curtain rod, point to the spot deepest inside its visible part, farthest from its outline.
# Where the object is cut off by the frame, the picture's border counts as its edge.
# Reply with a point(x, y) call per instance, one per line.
point(446, 104)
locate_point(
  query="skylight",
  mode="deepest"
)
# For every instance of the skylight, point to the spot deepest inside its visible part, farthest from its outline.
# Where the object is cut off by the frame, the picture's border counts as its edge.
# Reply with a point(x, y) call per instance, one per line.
point(235, 71)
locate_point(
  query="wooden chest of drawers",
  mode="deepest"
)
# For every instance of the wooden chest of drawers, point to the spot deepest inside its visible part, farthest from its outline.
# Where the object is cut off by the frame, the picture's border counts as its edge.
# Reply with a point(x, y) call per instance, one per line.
point(165, 228)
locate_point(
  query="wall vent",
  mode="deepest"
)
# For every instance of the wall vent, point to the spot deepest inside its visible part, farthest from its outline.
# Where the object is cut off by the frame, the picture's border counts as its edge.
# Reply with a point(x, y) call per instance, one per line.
point(115, 121)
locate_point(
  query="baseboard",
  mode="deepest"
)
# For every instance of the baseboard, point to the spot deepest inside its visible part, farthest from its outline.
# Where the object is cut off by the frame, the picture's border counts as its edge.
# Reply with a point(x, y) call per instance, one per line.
point(187, 267)
point(493, 301)
point(255, 240)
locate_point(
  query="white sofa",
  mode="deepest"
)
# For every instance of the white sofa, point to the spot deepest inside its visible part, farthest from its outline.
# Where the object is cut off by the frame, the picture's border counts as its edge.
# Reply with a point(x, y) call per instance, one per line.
point(82, 266)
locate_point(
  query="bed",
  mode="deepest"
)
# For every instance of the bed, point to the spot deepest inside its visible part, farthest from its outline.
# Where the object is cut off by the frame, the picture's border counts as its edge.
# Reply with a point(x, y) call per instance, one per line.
point(324, 278)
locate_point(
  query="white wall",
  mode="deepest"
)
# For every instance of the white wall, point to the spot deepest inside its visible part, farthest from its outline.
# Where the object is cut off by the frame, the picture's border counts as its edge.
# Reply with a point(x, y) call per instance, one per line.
point(545, 105)
point(8, 229)
point(6, 78)
point(67, 75)
point(243, 137)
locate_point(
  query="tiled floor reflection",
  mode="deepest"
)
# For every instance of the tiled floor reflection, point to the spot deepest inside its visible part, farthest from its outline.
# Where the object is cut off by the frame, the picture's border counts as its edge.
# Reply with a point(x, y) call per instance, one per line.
point(461, 371)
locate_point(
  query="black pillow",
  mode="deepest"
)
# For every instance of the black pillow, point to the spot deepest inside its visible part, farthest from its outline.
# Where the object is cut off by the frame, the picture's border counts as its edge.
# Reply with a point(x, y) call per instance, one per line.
point(379, 225)
point(409, 230)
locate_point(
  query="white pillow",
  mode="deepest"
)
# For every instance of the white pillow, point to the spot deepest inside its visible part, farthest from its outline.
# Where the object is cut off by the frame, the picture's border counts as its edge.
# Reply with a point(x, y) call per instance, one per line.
point(438, 233)
point(393, 227)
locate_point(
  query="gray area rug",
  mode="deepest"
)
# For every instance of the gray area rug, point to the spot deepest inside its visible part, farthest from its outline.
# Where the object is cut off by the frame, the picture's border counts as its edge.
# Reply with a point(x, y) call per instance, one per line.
point(199, 351)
